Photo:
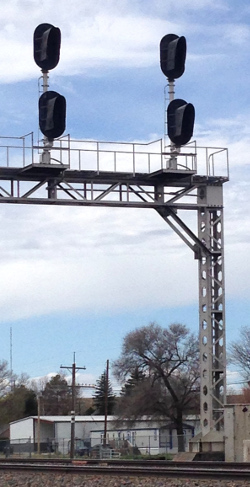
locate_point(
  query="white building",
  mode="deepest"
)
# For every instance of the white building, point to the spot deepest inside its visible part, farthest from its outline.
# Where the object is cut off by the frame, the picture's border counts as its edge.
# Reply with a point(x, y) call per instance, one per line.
point(237, 432)
point(149, 436)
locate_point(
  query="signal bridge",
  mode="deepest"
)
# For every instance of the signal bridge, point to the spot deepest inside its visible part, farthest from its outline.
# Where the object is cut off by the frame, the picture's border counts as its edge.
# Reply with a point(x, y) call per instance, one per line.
point(168, 178)
point(81, 172)
point(118, 174)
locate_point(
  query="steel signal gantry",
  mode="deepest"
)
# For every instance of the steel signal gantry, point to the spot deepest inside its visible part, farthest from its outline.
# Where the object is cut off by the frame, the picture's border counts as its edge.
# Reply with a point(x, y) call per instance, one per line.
point(87, 173)
point(168, 178)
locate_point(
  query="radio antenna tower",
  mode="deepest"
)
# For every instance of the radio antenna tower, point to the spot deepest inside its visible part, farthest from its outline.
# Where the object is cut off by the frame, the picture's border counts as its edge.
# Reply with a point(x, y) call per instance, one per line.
point(11, 370)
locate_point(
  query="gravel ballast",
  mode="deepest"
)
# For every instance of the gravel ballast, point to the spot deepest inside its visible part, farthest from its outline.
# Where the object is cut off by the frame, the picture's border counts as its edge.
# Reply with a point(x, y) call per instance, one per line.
point(27, 479)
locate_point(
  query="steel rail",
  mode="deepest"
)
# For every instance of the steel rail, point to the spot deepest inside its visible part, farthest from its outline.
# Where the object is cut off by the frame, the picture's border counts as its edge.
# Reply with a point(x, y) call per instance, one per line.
point(129, 470)
point(123, 462)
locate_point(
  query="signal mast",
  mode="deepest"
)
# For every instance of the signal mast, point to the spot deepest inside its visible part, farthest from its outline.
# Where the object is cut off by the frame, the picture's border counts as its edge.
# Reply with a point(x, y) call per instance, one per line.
point(208, 249)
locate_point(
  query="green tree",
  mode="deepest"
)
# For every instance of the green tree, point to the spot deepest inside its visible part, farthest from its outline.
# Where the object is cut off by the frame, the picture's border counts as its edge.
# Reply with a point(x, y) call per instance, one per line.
point(135, 379)
point(102, 391)
point(169, 359)
point(31, 405)
point(56, 399)
point(19, 403)
point(17, 399)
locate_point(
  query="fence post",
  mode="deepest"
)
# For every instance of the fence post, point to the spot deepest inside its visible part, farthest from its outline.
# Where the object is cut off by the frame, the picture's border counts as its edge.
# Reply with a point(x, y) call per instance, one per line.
point(29, 447)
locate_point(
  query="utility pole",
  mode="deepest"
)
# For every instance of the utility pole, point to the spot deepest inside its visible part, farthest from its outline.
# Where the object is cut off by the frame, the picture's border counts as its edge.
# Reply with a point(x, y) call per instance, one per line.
point(73, 368)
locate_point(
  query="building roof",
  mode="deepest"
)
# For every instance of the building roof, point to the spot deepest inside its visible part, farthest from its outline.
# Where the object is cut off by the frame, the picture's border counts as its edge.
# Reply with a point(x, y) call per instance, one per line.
point(67, 419)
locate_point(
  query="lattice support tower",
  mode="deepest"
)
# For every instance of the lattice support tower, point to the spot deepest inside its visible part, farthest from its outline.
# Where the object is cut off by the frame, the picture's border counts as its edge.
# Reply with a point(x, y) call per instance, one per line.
point(212, 311)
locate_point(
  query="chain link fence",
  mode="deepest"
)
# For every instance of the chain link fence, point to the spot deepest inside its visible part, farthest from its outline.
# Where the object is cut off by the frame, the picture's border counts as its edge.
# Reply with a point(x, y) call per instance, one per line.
point(129, 446)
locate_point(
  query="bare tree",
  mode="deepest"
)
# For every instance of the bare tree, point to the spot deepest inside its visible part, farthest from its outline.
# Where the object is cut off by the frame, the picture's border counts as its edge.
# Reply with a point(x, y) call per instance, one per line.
point(169, 359)
point(5, 376)
point(239, 352)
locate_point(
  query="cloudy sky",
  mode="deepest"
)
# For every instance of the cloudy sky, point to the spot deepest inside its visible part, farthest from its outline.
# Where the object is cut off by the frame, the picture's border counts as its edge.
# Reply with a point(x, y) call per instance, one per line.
point(78, 279)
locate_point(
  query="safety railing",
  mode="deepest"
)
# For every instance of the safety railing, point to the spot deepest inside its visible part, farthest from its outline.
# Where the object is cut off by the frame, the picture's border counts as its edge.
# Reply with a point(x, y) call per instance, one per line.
point(114, 157)
point(17, 151)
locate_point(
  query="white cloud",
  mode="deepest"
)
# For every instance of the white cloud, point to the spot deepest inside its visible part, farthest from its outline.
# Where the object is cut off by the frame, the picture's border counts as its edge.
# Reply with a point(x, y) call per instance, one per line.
point(101, 35)
point(237, 34)
point(104, 35)
point(62, 258)
point(68, 259)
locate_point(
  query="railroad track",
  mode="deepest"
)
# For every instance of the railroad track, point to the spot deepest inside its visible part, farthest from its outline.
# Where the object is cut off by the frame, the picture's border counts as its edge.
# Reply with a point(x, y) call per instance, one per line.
point(198, 470)
point(122, 462)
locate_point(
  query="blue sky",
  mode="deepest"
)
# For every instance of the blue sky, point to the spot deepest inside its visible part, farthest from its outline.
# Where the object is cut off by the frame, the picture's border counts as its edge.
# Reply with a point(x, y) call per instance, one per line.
point(78, 279)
